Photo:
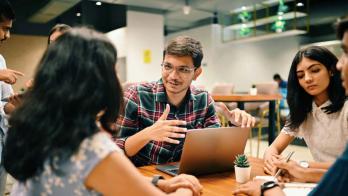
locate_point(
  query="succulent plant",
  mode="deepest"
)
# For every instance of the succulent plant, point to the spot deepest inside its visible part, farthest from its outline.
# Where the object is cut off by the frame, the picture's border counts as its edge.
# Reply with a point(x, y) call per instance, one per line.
point(241, 161)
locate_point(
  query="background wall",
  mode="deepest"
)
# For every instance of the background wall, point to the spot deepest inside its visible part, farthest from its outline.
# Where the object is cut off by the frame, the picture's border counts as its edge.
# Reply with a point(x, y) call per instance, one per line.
point(144, 32)
point(23, 53)
point(244, 63)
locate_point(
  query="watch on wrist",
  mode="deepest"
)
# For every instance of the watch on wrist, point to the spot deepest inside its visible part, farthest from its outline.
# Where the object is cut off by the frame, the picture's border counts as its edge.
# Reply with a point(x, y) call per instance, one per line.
point(268, 185)
point(304, 164)
point(155, 179)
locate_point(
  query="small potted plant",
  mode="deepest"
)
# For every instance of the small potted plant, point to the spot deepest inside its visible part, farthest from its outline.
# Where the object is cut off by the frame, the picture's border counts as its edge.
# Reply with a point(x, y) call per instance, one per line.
point(242, 168)
point(253, 90)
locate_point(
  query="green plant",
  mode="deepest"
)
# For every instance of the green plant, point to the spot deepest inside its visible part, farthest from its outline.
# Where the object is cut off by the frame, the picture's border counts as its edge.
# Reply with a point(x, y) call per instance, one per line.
point(241, 161)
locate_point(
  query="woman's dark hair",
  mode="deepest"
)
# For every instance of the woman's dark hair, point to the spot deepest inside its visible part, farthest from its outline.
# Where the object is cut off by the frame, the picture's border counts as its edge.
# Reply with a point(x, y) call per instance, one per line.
point(75, 81)
point(300, 102)
point(58, 28)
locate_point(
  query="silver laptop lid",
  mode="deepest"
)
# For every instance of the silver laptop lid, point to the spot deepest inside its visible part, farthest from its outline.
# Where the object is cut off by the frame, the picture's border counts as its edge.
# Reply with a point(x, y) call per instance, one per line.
point(212, 150)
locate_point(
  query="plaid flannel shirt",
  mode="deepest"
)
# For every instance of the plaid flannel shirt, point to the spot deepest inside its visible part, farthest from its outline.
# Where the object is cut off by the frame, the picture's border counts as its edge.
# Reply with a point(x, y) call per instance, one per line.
point(145, 103)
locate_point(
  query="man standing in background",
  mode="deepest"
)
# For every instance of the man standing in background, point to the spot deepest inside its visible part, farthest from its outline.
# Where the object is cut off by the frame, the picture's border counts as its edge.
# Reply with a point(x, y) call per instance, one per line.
point(7, 77)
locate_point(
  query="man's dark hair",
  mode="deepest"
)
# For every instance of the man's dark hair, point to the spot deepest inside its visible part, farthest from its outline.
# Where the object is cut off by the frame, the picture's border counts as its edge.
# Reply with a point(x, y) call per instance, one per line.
point(185, 46)
point(6, 11)
point(60, 28)
point(277, 77)
point(342, 27)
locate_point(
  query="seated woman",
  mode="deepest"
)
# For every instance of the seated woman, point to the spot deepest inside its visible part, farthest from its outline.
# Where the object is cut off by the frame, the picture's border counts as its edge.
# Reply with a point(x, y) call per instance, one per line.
point(59, 142)
point(318, 110)
point(336, 179)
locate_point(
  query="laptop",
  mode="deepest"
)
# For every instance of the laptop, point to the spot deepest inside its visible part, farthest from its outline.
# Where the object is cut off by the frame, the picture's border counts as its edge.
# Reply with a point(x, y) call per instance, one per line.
point(209, 150)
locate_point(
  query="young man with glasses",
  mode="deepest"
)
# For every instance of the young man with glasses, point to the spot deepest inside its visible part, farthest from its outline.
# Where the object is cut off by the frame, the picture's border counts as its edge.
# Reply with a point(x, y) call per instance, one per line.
point(158, 114)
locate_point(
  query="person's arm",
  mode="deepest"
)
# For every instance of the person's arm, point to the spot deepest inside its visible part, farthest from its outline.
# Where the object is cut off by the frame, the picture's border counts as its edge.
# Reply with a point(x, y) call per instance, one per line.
point(163, 130)
point(9, 76)
point(238, 117)
point(276, 148)
point(253, 188)
point(320, 165)
point(115, 174)
point(132, 140)
point(336, 179)
point(294, 172)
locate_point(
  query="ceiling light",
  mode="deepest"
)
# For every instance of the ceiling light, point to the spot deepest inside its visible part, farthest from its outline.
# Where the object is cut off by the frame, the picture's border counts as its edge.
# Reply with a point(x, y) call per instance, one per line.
point(78, 14)
point(299, 4)
point(98, 3)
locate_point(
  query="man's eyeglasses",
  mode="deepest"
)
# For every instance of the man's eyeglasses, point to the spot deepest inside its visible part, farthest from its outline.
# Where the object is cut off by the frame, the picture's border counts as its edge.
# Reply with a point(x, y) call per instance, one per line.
point(182, 69)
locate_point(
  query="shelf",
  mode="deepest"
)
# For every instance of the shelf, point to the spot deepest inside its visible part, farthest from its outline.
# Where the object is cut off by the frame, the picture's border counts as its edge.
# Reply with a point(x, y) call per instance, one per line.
point(267, 36)
point(266, 20)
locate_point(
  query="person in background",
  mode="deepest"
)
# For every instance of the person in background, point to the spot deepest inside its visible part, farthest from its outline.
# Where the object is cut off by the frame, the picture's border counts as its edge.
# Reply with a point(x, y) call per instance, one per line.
point(281, 83)
point(158, 114)
point(59, 141)
point(7, 77)
point(57, 31)
point(335, 181)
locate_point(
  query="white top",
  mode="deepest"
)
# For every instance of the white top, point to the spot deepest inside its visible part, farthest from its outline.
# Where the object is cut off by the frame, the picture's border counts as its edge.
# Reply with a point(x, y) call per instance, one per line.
point(5, 91)
point(326, 135)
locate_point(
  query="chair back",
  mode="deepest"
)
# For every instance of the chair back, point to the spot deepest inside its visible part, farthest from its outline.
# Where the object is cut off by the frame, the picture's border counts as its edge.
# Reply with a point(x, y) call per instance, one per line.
point(267, 88)
point(222, 89)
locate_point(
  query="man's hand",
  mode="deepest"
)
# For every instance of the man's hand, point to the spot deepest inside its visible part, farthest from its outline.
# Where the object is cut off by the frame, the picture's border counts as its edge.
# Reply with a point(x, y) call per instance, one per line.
point(9, 76)
point(181, 181)
point(164, 130)
point(238, 117)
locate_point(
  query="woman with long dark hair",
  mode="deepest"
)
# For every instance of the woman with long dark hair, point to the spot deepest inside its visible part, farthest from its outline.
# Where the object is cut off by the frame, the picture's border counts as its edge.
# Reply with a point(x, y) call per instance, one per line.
point(59, 138)
point(318, 110)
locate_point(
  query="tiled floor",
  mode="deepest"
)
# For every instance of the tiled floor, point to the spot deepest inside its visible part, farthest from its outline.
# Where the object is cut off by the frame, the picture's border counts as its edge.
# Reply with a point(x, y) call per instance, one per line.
point(301, 153)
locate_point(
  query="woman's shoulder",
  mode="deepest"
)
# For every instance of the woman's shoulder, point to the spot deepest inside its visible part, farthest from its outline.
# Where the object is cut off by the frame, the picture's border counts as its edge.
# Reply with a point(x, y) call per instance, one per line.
point(101, 144)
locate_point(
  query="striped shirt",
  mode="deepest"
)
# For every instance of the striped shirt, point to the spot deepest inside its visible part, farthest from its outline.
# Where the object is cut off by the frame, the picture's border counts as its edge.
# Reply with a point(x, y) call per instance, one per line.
point(145, 103)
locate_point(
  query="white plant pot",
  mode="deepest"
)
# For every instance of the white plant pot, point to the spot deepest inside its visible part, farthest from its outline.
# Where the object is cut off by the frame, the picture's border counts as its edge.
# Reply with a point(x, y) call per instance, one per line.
point(253, 91)
point(242, 174)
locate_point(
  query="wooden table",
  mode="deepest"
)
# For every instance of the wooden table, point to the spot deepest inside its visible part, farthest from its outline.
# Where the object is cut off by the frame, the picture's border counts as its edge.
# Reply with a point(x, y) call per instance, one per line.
point(242, 98)
point(214, 184)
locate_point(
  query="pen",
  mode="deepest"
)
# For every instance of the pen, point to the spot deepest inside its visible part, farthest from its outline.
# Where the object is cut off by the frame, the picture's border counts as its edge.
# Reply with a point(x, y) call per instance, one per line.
point(286, 160)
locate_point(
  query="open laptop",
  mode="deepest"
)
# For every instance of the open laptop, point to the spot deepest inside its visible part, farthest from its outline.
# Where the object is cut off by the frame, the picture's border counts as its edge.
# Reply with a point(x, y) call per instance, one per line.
point(209, 150)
